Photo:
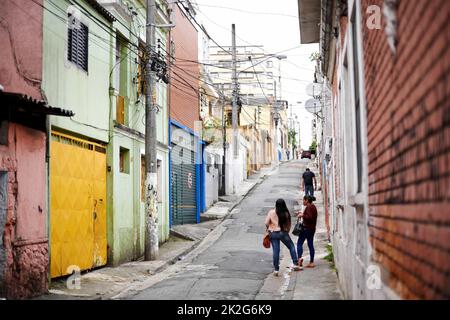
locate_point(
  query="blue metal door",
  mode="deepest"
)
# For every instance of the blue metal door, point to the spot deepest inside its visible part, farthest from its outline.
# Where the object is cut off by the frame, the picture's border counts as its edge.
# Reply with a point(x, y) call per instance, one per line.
point(184, 180)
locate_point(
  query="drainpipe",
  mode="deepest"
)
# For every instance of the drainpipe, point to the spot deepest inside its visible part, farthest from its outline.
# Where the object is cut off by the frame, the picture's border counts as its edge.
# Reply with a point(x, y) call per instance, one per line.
point(47, 205)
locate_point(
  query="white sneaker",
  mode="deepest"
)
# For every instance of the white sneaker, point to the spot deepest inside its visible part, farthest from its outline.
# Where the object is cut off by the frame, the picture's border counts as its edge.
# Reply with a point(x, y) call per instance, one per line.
point(275, 273)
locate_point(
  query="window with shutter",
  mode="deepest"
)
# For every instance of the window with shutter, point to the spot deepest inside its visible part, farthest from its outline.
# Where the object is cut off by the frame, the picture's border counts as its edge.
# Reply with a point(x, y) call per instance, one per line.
point(77, 43)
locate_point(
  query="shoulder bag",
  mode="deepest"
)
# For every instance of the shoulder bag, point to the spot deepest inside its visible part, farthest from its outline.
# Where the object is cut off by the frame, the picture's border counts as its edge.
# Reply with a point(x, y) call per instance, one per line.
point(299, 227)
point(266, 240)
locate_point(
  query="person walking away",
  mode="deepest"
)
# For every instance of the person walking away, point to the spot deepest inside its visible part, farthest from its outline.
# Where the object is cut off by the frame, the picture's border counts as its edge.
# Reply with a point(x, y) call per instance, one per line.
point(309, 216)
point(278, 223)
point(308, 178)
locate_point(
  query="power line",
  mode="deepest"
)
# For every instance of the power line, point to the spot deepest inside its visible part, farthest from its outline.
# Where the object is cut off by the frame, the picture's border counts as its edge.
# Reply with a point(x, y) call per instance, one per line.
point(262, 90)
point(201, 27)
point(247, 11)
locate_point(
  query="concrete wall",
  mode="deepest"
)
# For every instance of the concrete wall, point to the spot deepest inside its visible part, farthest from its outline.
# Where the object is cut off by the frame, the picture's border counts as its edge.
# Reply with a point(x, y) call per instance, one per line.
point(67, 86)
point(21, 49)
point(126, 209)
point(211, 177)
point(235, 169)
point(25, 258)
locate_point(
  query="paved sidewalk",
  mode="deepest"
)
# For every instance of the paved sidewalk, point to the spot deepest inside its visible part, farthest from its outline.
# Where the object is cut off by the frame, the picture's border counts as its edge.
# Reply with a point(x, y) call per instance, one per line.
point(108, 282)
point(321, 282)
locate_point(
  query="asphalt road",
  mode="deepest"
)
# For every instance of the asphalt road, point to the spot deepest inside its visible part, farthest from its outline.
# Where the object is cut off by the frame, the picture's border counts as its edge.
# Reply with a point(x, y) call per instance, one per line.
point(232, 263)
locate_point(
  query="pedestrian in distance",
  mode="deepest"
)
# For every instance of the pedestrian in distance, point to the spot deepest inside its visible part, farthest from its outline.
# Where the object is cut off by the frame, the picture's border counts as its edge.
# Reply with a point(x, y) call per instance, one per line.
point(309, 216)
point(278, 223)
point(308, 179)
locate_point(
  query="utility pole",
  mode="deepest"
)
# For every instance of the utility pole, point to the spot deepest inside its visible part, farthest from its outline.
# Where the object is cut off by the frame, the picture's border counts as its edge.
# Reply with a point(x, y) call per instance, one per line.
point(151, 204)
point(224, 132)
point(235, 92)
point(276, 116)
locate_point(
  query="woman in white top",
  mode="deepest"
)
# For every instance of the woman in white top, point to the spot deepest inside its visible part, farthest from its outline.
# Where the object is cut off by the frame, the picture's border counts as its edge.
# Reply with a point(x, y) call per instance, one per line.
point(278, 223)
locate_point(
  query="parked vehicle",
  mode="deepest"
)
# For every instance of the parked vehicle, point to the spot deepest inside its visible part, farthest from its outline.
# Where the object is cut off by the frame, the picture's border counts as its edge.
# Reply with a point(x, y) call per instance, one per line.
point(306, 154)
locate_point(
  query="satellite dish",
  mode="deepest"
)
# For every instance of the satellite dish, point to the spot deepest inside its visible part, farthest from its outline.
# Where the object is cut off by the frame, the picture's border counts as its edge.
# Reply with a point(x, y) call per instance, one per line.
point(314, 89)
point(313, 105)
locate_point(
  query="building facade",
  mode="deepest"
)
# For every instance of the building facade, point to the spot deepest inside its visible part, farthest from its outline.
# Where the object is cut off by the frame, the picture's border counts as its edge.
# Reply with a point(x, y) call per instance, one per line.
point(187, 171)
point(385, 143)
point(256, 98)
point(127, 124)
point(93, 62)
point(24, 153)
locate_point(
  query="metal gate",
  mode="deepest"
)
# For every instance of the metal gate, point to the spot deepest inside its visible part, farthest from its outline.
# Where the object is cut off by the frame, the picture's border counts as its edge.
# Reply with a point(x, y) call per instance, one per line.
point(78, 205)
point(184, 204)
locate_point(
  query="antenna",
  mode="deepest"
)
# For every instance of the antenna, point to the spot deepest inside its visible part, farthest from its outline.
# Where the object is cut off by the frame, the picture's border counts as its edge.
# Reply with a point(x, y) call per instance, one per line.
point(313, 106)
point(314, 89)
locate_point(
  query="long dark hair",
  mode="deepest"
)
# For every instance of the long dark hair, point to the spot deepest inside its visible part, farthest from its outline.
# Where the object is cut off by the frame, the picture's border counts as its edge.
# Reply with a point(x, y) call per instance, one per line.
point(284, 217)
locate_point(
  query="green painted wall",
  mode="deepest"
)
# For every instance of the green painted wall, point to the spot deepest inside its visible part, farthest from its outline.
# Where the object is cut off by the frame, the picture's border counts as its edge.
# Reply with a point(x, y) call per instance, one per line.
point(129, 229)
point(67, 86)
point(92, 97)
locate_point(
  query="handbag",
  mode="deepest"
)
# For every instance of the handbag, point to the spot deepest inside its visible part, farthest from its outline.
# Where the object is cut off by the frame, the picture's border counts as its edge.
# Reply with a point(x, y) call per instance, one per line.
point(298, 228)
point(266, 240)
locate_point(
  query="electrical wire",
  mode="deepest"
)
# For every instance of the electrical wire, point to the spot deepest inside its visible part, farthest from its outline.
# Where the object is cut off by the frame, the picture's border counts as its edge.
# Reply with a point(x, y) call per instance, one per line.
point(247, 11)
point(201, 27)
point(189, 86)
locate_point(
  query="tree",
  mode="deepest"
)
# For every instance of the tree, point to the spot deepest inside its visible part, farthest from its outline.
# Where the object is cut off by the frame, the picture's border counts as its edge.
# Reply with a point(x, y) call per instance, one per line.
point(313, 147)
point(291, 138)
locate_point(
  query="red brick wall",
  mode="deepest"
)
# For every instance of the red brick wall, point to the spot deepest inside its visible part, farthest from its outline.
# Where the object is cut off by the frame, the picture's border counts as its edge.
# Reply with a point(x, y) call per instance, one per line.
point(408, 123)
point(184, 106)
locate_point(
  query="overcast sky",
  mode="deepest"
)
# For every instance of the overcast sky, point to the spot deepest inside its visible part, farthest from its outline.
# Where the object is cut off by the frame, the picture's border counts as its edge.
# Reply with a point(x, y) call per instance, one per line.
point(273, 24)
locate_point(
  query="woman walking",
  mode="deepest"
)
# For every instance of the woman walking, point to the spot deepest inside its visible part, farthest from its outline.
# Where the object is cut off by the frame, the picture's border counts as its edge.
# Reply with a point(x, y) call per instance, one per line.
point(309, 221)
point(278, 223)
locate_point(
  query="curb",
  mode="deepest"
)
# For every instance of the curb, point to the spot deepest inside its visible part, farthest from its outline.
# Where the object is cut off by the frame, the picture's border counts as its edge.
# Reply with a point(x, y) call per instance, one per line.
point(197, 242)
point(177, 257)
point(181, 235)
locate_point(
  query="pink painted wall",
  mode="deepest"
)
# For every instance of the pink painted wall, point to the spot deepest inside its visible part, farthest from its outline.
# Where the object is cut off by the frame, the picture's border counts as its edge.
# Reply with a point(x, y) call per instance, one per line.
point(25, 237)
point(21, 46)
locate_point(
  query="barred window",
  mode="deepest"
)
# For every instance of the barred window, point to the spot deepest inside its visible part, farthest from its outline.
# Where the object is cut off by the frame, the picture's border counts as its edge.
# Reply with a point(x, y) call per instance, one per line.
point(77, 44)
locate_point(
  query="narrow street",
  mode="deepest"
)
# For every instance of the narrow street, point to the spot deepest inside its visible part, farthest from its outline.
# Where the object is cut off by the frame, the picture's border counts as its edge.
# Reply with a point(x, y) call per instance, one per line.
point(232, 263)
point(143, 143)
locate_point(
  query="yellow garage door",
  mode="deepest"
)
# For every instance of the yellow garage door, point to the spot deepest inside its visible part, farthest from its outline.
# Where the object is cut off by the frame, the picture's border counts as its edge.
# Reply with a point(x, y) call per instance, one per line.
point(78, 205)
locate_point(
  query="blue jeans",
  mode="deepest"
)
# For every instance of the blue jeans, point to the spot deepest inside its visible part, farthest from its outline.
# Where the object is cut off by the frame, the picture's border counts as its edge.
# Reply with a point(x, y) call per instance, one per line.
point(309, 190)
point(309, 236)
point(275, 238)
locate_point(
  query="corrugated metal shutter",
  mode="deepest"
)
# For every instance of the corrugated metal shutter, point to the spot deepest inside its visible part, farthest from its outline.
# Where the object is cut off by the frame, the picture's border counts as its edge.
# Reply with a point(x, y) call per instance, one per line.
point(184, 205)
